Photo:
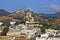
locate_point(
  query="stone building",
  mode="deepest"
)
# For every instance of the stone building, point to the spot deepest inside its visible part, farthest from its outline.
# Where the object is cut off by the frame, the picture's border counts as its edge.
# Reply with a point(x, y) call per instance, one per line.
point(30, 21)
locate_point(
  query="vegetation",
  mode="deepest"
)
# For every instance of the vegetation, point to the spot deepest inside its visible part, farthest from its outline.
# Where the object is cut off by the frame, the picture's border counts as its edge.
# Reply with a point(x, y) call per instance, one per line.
point(42, 29)
point(4, 32)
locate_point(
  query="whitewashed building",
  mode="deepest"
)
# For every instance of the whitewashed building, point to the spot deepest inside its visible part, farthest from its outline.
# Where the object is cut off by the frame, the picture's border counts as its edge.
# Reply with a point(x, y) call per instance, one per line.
point(1, 23)
point(12, 23)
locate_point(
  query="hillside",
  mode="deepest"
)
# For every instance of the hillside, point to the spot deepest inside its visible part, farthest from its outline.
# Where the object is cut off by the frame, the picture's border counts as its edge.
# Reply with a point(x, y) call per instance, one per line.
point(57, 14)
point(20, 14)
point(47, 20)
point(4, 13)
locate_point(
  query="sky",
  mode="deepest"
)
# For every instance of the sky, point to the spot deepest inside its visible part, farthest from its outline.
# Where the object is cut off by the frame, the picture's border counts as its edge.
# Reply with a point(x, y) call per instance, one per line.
point(38, 6)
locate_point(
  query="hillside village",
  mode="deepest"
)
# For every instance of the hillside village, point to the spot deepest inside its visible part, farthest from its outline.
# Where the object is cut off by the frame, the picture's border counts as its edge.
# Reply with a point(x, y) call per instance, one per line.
point(26, 24)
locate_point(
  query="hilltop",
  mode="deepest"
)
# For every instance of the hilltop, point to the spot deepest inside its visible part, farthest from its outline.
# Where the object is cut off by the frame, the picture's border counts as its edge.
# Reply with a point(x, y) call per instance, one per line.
point(20, 15)
point(4, 13)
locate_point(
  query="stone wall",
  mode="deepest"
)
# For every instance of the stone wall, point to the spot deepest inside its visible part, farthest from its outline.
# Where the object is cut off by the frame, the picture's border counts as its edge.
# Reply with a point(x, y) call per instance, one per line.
point(15, 37)
point(4, 37)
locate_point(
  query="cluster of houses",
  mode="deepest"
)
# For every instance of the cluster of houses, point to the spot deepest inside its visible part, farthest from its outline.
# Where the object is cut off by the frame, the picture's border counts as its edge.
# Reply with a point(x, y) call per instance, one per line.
point(29, 30)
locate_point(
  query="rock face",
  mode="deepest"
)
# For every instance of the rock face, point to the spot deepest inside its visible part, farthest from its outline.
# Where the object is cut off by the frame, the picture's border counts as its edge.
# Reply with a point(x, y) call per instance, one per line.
point(20, 14)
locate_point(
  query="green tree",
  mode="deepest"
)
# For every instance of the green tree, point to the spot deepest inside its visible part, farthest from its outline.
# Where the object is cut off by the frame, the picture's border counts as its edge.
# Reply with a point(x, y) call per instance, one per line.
point(4, 32)
point(42, 29)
